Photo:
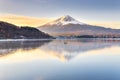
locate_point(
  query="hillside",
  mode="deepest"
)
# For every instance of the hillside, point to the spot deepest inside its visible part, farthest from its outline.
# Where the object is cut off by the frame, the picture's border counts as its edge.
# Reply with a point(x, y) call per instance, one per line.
point(70, 27)
point(10, 31)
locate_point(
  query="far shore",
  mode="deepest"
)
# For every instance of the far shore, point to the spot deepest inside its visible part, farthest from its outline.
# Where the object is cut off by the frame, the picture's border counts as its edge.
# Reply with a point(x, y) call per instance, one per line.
point(60, 39)
point(25, 39)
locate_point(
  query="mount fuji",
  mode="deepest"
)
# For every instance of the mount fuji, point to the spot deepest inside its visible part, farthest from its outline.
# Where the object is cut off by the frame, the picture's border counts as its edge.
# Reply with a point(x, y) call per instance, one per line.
point(68, 26)
point(65, 20)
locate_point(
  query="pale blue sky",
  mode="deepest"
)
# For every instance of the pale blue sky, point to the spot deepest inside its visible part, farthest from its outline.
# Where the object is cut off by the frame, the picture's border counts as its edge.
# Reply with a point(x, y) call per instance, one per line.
point(91, 10)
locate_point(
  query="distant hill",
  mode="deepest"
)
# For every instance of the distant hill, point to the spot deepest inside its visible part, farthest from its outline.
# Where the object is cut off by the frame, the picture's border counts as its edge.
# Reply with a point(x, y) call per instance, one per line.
point(68, 26)
point(10, 31)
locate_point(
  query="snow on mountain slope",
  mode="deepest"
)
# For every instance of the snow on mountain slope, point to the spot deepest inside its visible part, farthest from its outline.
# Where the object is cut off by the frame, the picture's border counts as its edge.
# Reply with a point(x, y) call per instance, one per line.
point(68, 26)
point(65, 20)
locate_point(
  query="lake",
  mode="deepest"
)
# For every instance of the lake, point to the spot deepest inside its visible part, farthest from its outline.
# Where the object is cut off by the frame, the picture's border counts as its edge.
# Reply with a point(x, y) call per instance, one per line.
point(77, 59)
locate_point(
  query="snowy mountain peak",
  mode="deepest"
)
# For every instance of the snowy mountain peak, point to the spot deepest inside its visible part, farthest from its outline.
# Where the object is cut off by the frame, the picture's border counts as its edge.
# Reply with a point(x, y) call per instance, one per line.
point(68, 26)
point(64, 20)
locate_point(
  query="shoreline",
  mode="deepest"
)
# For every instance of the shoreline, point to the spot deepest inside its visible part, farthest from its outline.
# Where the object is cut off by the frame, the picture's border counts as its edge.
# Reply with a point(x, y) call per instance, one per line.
point(59, 39)
point(25, 39)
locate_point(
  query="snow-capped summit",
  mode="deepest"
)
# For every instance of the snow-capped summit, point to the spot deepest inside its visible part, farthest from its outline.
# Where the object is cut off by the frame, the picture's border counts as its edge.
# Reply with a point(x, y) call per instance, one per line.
point(65, 20)
point(68, 26)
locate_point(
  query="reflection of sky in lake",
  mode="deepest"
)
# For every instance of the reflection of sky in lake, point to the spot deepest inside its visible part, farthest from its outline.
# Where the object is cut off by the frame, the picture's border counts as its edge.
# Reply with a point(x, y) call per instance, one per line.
point(62, 60)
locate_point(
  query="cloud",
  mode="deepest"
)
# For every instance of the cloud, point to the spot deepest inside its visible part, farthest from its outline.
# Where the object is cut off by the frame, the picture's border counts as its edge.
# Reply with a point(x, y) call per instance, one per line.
point(114, 25)
point(35, 22)
point(24, 20)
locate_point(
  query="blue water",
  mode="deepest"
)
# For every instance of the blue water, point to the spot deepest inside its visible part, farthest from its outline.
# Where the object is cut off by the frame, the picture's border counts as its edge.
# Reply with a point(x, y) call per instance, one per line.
point(81, 59)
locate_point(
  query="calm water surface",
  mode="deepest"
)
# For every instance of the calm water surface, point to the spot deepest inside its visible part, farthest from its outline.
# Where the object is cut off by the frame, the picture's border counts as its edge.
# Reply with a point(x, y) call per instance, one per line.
point(80, 59)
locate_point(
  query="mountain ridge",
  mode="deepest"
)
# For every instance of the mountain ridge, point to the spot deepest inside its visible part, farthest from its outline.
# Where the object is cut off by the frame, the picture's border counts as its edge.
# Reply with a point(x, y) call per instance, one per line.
point(11, 31)
point(64, 20)
point(64, 26)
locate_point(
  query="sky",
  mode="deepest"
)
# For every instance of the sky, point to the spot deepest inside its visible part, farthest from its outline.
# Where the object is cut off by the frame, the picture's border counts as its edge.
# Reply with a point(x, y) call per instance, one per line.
point(97, 12)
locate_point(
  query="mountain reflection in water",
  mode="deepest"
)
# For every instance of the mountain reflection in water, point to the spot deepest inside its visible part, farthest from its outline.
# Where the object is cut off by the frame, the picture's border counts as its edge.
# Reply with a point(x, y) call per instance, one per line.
point(7, 47)
point(66, 49)
point(78, 59)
